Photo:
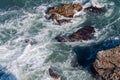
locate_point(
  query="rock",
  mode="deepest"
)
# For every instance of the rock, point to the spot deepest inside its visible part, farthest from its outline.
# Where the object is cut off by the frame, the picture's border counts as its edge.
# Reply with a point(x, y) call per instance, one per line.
point(93, 9)
point(85, 33)
point(107, 64)
point(54, 16)
point(66, 10)
point(59, 22)
point(54, 74)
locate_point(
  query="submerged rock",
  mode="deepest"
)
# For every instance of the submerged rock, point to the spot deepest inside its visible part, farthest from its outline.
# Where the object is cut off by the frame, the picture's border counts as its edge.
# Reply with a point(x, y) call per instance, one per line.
point(107, 64)
point(94, 9)
point(85, 33)
point(74, 63)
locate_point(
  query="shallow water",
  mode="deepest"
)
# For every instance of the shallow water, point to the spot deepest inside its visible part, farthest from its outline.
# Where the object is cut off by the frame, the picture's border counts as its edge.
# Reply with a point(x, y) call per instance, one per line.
point(27, 45)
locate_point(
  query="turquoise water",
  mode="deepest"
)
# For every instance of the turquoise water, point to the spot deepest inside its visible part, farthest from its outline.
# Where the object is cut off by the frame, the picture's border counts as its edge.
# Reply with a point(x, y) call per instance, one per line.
point(28, 48)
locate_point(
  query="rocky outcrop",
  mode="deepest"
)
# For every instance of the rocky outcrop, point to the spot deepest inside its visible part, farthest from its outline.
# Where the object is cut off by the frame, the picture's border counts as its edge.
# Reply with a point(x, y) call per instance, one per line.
point(84, 33)
point(94, 9)
point(66, 10)
point(107, 64)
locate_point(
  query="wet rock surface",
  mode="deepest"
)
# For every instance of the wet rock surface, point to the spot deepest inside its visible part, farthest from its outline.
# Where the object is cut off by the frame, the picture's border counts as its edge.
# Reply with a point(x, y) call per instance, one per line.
point(66, 10)
point(94, 9)
point(59, 22)
point(54, 74)
point(61, 13)
point(107, 64)
point(84, 33)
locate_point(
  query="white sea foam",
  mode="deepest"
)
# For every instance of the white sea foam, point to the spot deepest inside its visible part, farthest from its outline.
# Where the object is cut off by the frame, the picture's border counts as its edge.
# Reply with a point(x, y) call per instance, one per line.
point(99, 3)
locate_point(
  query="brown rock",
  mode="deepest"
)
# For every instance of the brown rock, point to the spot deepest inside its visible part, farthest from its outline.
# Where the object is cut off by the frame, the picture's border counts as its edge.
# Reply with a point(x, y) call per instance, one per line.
point(77, 7)
point(107, 64)
point(67, 10)
point(85, 33)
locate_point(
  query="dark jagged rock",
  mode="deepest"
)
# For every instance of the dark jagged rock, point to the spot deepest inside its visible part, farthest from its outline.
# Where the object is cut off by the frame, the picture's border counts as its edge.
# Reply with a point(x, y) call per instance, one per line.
point(85, 33)
point(107, 64)
point(59, 22)
point(54, 74)
point(94, 9)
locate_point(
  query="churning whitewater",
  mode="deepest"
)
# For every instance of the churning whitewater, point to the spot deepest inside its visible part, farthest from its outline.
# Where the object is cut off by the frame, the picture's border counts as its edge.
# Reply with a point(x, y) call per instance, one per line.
point(27, 45)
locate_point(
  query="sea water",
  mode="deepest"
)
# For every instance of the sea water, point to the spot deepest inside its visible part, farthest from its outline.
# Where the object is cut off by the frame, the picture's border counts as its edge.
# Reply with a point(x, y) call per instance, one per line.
point(27, 45)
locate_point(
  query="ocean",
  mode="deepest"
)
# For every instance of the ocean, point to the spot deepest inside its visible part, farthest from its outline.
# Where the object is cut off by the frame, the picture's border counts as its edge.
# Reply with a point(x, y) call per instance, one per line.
point(28, 48)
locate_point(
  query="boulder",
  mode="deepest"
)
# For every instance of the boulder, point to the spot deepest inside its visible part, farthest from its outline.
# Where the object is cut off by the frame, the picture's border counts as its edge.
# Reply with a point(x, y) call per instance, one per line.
point(94, 9)
point(54, 74)
point(107, 64)
point(84, 33)
point(66, 10)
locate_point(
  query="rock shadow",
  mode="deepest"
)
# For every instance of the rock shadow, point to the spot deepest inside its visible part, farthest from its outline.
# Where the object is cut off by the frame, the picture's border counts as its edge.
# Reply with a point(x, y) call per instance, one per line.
point(86, 55)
